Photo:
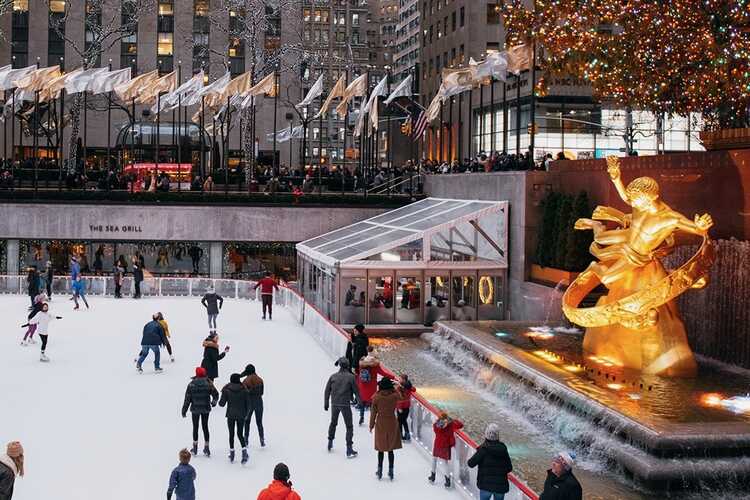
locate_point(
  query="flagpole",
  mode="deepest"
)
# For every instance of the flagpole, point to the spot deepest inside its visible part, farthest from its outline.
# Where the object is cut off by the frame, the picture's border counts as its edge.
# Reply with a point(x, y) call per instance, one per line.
point(225, 145)
point(158, 134)
point(5, 129)
point(242, 149)
point(36, 141)
point(450, 132)
point(109, 127)
point(346, 132)
point(533, 107)
point(320, 146)
point(492, 113)
point(132, 144)
point(460, 138)
point(291, 141)
point(390, 132)
point(275, 113)
point(481, 118)
point(179, 128)
point(441, 132)
point(505, 118)
point(85, 132)
point(518, 114)
point(60, 137)
point(203, 136)
point(13, 133)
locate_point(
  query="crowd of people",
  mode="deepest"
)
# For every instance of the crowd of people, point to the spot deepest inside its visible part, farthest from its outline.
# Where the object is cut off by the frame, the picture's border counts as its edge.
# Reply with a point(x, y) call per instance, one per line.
point(360, 382)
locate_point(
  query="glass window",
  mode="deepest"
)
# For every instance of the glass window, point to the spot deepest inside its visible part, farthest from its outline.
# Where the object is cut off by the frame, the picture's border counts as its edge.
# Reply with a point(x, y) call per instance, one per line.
point(491, 297)
point(21, 5)
point(380, 293)
point(409, 299)
point(166, 8)
point(57, 6)
point(165, 44)
point(493, 13)
point(437, 294)
point(353, 300)
point(464, 299)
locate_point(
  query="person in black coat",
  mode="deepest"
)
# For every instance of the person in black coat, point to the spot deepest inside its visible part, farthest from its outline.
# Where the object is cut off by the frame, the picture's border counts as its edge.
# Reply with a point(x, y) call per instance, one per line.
point(236, 398)
point(561, 484)
point(494, 465)
point(32, 284)
point(213, 302)
point(137, 277)
point(200, 397)
point(255, 387)
point(50, 276)
point(211, 356)
point(356, 349)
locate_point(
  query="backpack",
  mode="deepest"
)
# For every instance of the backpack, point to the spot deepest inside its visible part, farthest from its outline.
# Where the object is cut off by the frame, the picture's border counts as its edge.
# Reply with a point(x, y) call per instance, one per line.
point(364, 375)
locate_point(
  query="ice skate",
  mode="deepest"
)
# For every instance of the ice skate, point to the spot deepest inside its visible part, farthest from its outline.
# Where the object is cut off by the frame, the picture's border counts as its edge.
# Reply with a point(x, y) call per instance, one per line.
point(32, 341)
point(206, 450)
point(194, 449)
point(350, 453)
point(23, 343)
point(43, 357)
point(158, 370)
point(447, 482)
point(431, 478)
point(330, 445)
point(262, 442)
point(171, 359)
point(231, 456)
point(139, 369)
point(406, 437)
point(390, 472)
point(245, 456)
point(379, 472)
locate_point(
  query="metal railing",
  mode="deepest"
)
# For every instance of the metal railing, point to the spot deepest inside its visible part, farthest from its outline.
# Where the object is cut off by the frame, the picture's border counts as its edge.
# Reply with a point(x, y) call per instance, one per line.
point(333, 339)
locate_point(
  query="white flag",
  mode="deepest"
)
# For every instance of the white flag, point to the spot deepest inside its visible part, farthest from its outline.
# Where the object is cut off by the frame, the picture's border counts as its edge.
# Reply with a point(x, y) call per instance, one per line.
point(495, 65)
point(285, 134)
point(361, 118)
point(81, 81)
point(9, 76)
point(106, 82)
point(313, 93)
point(403, 90)
point(180, 95)
point(372, 106)
point(216, 87)
point(357, 88)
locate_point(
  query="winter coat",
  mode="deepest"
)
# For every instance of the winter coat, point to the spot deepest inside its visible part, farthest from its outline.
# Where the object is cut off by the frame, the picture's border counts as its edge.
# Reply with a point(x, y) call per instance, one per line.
point(211, 357)
point(236, 398)
point(277, 490)
point(341, 389)
point(445, 437)
point(367, 378)
point(383, 420)
point(267, 285)
point(182, 482)
point(356, 349)
point(153, 334)
point(494, 465)
point(254, 385)
point(164, 327)
point(404, 400)
point(212, 302)
point(33, 286)
point(42, 320)
point(565, 487)
point(79, 287)
point(75, 270)
point(8, 472)
point(200, 396)
point(137, 272)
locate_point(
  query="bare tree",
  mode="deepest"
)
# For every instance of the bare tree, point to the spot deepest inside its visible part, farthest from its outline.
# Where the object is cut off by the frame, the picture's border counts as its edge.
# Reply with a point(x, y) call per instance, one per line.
point(104, 27)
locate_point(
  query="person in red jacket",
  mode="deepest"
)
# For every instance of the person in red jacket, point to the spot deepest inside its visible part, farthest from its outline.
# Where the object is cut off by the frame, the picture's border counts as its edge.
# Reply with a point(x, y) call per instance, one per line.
point(367, 381)
point(405, 390)
point(267, 286)
point(445, 439)
point(281, 487)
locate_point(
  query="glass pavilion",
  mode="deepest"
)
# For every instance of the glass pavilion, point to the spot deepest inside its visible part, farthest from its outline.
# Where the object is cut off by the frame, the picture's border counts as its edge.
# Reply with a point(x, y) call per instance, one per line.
point(436, 259)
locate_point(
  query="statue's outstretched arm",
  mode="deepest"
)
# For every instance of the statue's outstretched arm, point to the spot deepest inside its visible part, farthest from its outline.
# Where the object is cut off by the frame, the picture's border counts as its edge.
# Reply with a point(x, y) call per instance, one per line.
point(699, 225)
point(613, 169)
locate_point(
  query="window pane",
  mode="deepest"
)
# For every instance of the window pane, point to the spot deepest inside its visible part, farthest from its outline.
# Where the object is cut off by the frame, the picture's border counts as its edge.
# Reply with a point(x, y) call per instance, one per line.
point(436, 294)
point(355, 300)
point(409, 299)
point(381, 299)
point(464, 300)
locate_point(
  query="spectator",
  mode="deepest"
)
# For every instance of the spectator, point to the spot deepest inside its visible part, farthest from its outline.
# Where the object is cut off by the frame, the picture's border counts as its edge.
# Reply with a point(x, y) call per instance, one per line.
point(494, 465)
point(561, 484)
point(197, 184)
point(208, 186)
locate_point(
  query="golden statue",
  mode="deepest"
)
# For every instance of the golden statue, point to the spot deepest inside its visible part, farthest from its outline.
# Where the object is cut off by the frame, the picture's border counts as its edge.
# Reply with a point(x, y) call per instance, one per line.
point(637, 325)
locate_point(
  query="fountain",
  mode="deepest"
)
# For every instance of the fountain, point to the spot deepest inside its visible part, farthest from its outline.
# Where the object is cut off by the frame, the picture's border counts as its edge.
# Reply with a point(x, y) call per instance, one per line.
point(670, 422)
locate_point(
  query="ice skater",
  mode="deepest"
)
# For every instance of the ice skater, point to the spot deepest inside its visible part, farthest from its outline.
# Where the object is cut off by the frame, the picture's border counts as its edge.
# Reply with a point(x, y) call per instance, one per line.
point(153, 338)
point(118, 274)
point(49, 277)
point(182, 479)
point(137, 277)
point(211, 356)
point(281, 487)
point(405, 390)
point(367, 381)
point(79, 292)
point(42, 319)
point(32, 284)
point(235, 397)
point(356, 349)
point(255, 388)
point(28, 337)
point(200, 397)
point(340, 391)
point(383, 422)
point(165, 328)
point(213, 302)
point(267, 286)
point(445, 429)
point(11, 465)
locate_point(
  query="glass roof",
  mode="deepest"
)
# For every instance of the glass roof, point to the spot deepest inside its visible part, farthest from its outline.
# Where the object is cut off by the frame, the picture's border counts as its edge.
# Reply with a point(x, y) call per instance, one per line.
point(394, 228)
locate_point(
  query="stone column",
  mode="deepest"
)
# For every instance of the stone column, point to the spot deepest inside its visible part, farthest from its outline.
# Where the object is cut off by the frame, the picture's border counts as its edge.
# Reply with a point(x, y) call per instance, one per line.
point(12, 248)
point(215, 259)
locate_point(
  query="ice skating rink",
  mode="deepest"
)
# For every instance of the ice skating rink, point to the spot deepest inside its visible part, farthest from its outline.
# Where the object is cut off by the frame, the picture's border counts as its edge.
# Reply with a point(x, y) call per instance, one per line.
point(93, 428)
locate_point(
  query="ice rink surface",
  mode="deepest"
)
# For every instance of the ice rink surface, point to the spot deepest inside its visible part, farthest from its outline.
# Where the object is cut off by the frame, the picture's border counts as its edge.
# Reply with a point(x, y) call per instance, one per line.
point(93, 428)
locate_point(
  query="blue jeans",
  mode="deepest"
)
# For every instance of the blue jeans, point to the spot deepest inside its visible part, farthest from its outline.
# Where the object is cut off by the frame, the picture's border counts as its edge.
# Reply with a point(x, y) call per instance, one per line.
point(212, 320)
point(144, 353)
point(488, 495)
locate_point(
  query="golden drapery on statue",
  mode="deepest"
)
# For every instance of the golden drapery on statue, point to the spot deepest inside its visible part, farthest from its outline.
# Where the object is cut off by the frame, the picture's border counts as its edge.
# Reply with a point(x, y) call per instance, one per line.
point(636, 325)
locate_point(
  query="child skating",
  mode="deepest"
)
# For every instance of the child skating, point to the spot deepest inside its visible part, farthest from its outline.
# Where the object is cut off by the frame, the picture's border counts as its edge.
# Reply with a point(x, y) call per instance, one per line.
point(182, 479)
point(42, 320)
point(445, 439)
point(79, 292)
point(28, 337)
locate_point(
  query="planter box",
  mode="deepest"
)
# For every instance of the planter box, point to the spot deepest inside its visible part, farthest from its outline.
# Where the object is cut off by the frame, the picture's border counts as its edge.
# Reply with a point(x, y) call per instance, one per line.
point(551, 276)
point(733, 138)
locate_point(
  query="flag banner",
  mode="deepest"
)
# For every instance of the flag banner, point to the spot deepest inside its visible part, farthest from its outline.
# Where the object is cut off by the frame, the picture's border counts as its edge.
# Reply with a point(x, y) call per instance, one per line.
point(166, 83)
point(361, 117)
point(240, 85)
point(265, 86)
point(494, 65)
point(217, 87)
point(182, 93)
point(420, 125)
point(357, 88)
point(8, 76)
point(56, 85)
point(337, 91)
point(381, 89)
point(37, 79)
point(519, 58)
point(284, 135)
point(313, 93)
point(129, 90)
point(106, 82)
point(456, 81)
point(80, 81)
point(403, 90)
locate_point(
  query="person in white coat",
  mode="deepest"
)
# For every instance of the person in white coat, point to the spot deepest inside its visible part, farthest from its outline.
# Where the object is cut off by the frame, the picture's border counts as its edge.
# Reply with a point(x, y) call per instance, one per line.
point(42, 320)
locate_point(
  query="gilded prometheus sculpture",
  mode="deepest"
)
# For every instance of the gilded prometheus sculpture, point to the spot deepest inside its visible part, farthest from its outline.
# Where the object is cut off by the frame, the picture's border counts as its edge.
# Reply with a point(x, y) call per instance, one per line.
point(636, 325)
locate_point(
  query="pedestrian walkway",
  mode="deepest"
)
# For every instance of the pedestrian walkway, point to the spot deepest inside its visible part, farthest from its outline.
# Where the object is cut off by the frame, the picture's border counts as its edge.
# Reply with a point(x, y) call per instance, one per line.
point(93, 428)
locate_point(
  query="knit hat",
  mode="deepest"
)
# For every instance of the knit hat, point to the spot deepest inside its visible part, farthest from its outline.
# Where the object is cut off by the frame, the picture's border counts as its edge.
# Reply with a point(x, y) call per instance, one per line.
point(14, 450)
point(234, 378)
point(342, 363)
point(200, 372)
point(359, 327)
point(249, 370)
point(492, 432)
point(385, 384)
point(568, 457)
point(281, 472)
